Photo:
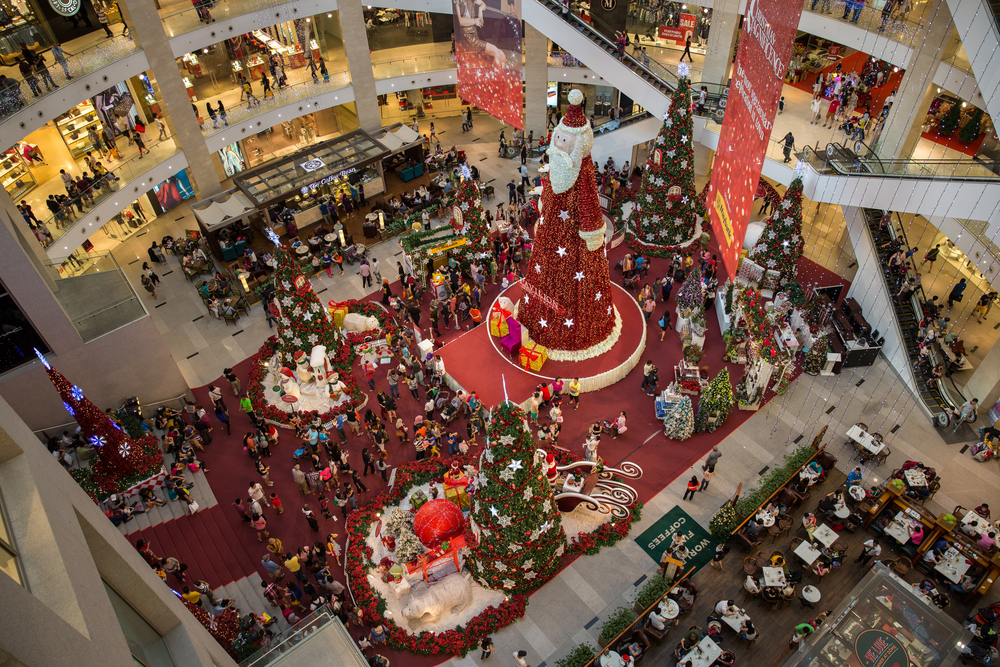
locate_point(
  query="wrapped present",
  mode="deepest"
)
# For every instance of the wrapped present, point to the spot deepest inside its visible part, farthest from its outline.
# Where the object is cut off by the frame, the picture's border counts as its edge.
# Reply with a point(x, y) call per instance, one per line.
point(498, 321)
point(337, 314)
point(532, 356)
point(457, 495)
point(418, 499)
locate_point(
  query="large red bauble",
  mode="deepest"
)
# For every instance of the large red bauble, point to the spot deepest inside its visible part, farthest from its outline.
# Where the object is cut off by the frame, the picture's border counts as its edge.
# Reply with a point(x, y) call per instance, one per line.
point(437, 521)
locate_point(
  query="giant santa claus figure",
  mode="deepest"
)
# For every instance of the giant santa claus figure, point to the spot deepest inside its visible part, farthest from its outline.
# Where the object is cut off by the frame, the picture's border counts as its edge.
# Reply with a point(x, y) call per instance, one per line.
point(567, 303)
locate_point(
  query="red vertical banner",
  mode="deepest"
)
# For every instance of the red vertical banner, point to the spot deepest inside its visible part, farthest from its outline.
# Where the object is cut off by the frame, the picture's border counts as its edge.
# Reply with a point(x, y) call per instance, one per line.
point(488, 51)
point(761, 63)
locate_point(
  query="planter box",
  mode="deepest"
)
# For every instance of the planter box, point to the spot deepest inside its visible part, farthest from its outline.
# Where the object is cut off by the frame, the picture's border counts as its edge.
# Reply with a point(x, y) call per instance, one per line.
point(753, 407)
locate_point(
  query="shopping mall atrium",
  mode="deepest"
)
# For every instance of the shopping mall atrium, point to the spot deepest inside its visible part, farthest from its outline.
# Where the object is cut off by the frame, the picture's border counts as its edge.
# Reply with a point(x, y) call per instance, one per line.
point(187, 185)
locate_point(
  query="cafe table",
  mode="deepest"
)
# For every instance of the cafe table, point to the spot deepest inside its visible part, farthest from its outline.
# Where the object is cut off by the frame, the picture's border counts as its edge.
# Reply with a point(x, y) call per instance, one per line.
point(954, 565)
point(915, 477)
point(669, 609)
point(766, 518)
point(899, 528)
point(774, 576)
point(330, 238)
point(807, 553)
point(842, 512)
point(704, 654)
point(824, 535)
point(734, 621)
point(865, 439)
point(302, 249)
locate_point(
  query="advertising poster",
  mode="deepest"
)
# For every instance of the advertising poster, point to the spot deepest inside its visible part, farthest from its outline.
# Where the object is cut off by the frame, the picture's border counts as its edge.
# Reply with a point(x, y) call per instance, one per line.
point(232, 159)
point(761, 63)
point(114, 102)
point(174, 190)
point(681, 32)
point(488, 52)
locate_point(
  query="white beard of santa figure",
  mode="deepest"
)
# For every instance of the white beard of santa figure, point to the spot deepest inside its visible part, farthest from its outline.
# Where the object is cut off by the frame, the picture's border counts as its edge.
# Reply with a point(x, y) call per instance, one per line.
point(567, 304)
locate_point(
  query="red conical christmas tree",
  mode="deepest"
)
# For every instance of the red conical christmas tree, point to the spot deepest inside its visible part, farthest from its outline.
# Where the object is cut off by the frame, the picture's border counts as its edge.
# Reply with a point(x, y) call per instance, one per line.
point(119, 460)
point(567, 305)
point(780, 245)
point(667, 206)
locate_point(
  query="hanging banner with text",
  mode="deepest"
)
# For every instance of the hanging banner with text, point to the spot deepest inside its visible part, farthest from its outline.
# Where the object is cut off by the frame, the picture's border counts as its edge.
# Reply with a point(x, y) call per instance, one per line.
point(679, 34)
point(488, 51)
point(761, 63)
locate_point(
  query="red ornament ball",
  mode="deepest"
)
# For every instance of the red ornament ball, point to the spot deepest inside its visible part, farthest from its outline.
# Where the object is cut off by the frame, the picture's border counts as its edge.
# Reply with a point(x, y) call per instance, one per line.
point(437, 521)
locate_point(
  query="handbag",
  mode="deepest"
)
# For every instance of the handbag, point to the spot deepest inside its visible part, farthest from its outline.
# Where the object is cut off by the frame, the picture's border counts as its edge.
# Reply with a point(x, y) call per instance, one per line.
point(193, 506)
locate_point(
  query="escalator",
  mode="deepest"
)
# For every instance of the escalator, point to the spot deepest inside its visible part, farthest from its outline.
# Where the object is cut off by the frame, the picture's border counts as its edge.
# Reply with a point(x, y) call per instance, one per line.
point(907, 312)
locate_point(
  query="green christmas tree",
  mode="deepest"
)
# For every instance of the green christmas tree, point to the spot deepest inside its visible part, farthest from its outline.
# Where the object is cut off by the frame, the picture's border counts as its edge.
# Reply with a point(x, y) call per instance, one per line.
point(780, 245)
point(950, 121)
point(667, 204)
point(304, 322)
point(470, 221)
point(970, 131)
point(816, 356)
point(679, 423)
point(715, 404)
point(514, 517)
point(691, 295)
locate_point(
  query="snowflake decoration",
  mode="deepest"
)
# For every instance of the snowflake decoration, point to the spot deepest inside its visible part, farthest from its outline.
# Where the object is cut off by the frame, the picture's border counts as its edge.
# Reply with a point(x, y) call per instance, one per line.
point(287, 301)
point(515, 465)
point(514, 548)
point(504, 521)
point(678, 237)
point(560, 550)
point(671, 153)
point(464, 206)
point(313, 338)
point(664, 232)
point(533, 536)
point(494, 511)
point(69, 408)
point(76, 393)
point(683, 70)
point(528, 494)
point(500, 566)
point(649, 198)
point(529, 563)
point(505, 440)
point(669, 122)
point(561, 251)
point(785, 204)
point(507, 583)
point(489, 454)
point(547, 506)
point(507, 475)
point(530, 575)
point(579, 276)
point(287, 285)
point(476, 510)
point(546, 526)
point(543, 323)
point(568, 322)
point(770, 263)
point(126, 448)
point(564, 215)
point(650, 236)
point(98, 440)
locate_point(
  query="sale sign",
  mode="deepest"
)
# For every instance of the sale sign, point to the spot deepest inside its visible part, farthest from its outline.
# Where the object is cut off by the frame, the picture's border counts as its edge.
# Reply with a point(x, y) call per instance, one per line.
point(681, 32)
point(761, 63)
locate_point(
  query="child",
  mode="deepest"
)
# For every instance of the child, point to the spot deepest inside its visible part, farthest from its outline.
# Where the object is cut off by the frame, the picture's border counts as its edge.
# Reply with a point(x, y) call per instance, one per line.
point(276, 503)
point(781, 105)
point(324, 506)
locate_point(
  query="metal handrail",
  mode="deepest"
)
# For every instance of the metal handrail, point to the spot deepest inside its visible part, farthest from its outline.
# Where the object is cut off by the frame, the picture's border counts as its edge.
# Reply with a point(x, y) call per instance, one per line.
point(105, 309)
point(141, 405)
point(281, 643)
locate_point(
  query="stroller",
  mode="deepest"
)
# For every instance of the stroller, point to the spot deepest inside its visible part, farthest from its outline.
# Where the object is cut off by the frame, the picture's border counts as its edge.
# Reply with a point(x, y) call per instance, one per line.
point(984, 450)
point(632, 282)
point(448, 413)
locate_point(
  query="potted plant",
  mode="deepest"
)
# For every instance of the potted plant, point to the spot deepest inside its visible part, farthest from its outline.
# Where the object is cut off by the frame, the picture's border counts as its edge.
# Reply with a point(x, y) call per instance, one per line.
point(615, 624)
point(654, 589)
point(578, 657)
point(723, 523)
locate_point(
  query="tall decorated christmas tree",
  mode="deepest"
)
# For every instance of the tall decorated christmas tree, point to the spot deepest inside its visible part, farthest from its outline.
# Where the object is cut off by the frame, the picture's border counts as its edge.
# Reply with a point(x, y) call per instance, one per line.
point(514, 517)
point(780, 245)
point(667, 204)
point(816, 356)
point(304, 321)
point(679, 424)
point(715, 403)
point(119, 460)
point(470, 221)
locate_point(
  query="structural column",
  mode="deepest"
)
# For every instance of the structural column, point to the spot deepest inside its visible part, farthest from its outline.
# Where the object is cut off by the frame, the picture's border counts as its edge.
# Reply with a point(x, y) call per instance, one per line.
point(149, 34)
point(901, 132)
point(536, 80)
point(359, 61)
point(721, 40)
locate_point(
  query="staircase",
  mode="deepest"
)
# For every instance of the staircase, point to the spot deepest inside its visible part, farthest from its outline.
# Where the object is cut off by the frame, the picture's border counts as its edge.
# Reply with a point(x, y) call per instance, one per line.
point(935, 397)
point(650, 86)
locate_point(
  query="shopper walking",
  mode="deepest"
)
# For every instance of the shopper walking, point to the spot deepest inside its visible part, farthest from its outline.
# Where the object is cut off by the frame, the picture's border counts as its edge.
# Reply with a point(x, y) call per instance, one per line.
point(956, 293)
point(687, 50)
point(102, 17)
point(871, 550)
point(789, 142)
point(692, 488)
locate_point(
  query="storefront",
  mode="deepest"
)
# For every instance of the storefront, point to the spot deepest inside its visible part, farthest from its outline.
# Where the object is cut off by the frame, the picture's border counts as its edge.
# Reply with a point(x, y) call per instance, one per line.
point(433, 102)
point(671, 23)
point(293, 190)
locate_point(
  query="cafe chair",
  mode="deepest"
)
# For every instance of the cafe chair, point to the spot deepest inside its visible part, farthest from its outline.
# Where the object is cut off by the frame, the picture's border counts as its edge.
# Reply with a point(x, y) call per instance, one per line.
point(658, 635)
point(231, 318)
point(788, 498)
point(751, 588)
point(761, 559)
point(241, 305)
point(827, 460)
point(787, 595)
point(745, 541)
point(750, 566)
point(727, 659)
point(775, 532)
point(779, 557)
point(771, 595)
point(796, 541)
point(902, 565)
point(639, 637)
point(842, 546)
point(882, 456)
point(679, 652)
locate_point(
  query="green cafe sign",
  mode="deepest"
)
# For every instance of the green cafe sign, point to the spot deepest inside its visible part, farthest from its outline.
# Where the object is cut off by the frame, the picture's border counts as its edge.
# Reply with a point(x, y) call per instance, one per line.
point(877, 648)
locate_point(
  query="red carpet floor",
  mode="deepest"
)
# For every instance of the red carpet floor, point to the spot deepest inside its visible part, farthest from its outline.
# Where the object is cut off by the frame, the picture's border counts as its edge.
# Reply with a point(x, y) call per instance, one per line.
point(477, 362)
point(854, 63)
point(219, 547)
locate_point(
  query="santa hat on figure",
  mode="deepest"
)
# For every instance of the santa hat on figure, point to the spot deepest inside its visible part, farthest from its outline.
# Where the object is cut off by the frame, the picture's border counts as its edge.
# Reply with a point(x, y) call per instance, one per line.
point(565, 166)
point(551, 472)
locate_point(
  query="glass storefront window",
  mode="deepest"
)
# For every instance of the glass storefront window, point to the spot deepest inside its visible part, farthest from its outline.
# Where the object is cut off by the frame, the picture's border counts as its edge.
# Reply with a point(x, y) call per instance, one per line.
point(18, 337)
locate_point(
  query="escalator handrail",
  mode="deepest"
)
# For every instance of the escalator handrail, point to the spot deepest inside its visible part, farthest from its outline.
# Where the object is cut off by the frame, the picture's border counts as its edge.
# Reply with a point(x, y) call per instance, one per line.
point(592, 32)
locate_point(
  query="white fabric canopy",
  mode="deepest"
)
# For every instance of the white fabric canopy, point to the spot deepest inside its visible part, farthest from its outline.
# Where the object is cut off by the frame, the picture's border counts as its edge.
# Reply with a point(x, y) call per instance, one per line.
point(390, 141)
point(405, 134)
point(217, 212)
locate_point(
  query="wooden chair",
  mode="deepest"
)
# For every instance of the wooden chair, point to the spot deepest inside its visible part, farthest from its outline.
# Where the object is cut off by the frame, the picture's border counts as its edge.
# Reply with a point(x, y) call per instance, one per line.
point(751, 592)
point(774, 531)
point(796, 541)
point(658, 635)
point(750, 566)
point(745, 541)
point(882, 456)
point(645, 643)
point(761, 559)
point(786, 598)
point(231, 318)
point(241, 305)
point(902, 565)
point(842, 545)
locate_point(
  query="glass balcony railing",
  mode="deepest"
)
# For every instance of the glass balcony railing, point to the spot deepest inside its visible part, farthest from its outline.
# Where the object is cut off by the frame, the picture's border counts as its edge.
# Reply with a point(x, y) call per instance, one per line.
point(99, 300)
point(845, 162)
point(177, 22)
point(19, 92)
point(896, 27)
point(280, 645)
point(75, 208)
point(278, 98)
point(387, 69)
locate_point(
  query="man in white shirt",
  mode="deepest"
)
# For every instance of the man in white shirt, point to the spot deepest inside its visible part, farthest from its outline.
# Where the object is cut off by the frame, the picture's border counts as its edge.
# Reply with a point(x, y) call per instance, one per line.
point(872, 550)
point(658, 622)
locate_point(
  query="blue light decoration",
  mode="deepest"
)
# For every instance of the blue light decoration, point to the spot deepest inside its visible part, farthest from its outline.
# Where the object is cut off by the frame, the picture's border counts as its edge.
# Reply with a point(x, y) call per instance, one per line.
point(98, 440)
point(41, 357)
point(466, 172)
point(273, 236)
point(115, 424)
point(76, 393)
point(69, 408)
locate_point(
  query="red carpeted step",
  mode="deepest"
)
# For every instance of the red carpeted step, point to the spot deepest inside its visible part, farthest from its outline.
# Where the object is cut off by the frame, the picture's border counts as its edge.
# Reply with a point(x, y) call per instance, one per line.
point(216, 550)
point(189, 549)
point(239, 563)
